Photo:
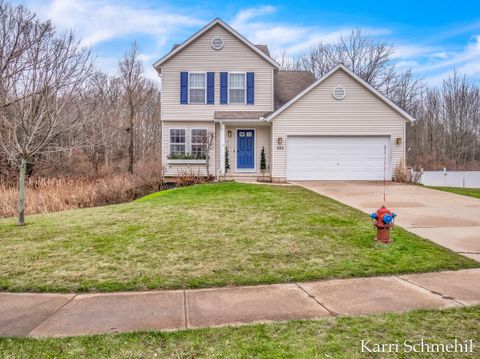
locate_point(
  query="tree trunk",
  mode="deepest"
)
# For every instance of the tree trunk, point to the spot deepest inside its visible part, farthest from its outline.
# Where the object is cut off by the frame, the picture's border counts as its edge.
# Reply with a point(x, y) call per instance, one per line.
point(21, 193)
point(130, 147)
point(96, 161)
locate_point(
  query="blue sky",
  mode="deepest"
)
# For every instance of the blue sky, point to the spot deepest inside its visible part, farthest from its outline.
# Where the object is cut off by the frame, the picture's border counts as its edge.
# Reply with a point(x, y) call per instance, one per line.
point(431, 37)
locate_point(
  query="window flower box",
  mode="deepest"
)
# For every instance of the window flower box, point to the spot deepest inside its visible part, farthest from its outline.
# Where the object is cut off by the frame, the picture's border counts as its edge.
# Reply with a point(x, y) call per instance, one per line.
point(186, 161)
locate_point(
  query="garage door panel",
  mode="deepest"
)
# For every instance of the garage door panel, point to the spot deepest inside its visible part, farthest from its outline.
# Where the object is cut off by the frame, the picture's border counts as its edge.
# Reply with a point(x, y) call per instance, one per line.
point(336, 158)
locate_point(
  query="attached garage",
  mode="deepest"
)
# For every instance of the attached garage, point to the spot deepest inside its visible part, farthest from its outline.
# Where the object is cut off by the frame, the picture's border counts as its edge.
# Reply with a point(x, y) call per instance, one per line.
point(338, 128)
point(338, 157)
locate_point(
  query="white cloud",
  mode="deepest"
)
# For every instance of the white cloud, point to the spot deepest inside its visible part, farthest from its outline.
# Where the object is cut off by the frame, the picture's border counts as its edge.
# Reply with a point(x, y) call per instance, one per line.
point(441, 55)
point(248, 14)
point(406, 64)
point(466, 62)
point(407, 51)
point(470, 69)
point(316, 37)
point(146, 57)
point(469, 56)
point(96, 22)
point(291, 37)
point(103, 20)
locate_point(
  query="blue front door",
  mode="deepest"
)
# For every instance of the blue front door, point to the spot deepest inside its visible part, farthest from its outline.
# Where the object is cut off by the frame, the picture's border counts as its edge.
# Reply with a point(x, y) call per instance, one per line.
point(245, 149)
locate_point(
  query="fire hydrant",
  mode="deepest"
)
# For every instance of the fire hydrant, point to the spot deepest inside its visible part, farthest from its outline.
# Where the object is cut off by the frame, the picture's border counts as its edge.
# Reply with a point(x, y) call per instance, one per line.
point(383, 220)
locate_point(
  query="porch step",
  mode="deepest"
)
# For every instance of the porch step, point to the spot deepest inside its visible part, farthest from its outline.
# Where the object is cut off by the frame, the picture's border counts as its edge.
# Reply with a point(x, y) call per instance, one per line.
point(244, 174)
point(244, 177)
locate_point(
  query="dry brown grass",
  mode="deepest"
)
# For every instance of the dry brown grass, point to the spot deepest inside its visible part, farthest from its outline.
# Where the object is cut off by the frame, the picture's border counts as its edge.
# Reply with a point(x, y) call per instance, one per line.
point(46, 195)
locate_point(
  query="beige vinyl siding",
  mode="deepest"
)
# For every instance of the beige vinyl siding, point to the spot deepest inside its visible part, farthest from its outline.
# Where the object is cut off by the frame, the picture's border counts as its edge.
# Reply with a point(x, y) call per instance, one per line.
point(199, 56)
point(262, 139)
point(319, 113)
point(173, 169)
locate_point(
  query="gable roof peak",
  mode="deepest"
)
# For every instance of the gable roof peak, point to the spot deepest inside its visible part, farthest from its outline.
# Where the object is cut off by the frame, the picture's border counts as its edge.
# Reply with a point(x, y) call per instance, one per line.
point(337, 67)
point(217, 21)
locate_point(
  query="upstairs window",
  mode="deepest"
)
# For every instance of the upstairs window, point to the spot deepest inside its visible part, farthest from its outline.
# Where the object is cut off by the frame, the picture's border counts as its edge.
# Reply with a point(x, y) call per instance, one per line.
point(197, 88)
point(198, 142)
point(177, 141)
point(236, 88)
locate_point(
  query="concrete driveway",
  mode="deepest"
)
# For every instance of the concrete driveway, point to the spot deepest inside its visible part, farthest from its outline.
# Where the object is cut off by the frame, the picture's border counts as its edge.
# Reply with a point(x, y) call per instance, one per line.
point(448, 219)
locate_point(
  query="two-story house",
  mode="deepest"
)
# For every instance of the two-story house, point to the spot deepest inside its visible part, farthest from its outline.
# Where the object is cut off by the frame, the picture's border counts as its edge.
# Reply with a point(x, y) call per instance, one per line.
point(218, 84)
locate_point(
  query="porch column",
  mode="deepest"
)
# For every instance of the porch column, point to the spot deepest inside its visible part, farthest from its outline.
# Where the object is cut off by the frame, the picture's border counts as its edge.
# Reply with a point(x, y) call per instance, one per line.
point(222, 148)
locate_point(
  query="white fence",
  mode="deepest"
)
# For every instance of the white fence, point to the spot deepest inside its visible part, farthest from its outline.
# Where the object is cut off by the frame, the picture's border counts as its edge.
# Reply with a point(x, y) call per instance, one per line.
point(468, 179)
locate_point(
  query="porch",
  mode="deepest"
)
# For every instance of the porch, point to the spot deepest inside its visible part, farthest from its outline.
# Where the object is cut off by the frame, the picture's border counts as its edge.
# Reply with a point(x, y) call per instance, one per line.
point(238, 149)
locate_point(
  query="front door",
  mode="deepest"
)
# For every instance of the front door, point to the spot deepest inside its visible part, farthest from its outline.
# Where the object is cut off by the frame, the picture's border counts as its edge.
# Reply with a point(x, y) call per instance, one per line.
point(245, 149)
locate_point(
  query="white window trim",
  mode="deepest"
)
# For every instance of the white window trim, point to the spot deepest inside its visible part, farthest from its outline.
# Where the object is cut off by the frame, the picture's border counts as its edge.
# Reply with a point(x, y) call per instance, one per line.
point(170, 139)
point(191, 136)
point(245, 87)
point(189, 87)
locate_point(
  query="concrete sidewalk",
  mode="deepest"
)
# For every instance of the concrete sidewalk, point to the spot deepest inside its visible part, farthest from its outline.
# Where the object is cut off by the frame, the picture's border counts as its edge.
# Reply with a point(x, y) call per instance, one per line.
point(448, 219)
point(69, 314)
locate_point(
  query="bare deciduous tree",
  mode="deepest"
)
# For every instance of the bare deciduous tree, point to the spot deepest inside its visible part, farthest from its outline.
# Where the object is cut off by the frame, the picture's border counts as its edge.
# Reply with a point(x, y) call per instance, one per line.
point(41, 76)
point(100, 99)
point(208, 143)
point(131, 77)
point(367, 57)
point(108, 131)
point(447, 130)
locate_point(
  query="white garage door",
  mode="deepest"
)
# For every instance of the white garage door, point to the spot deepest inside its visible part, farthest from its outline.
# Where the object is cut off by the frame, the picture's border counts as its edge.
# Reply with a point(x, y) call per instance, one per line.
point(337, 158)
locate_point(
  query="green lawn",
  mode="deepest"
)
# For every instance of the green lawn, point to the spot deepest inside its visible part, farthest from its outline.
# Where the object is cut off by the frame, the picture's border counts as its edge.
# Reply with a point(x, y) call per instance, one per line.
point(328, 338)
point(471, 192)
point(204, 236)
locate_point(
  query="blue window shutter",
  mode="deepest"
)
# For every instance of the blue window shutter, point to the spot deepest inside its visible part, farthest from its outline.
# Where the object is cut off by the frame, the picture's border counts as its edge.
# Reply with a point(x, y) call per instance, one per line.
point(250, 88)
point(210, 88)
point(183, 88)
point(223, 88)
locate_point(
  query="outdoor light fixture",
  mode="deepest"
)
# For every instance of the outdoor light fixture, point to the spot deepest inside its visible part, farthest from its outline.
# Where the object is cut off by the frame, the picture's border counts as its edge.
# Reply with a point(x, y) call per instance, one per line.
point(229, 133)
point(280, 140)
point(399, 140)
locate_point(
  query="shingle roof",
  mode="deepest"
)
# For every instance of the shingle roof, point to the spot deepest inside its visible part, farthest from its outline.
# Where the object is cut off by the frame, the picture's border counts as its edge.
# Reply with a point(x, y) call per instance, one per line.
point(289, 84)
point(264, 49)
point(240, 115)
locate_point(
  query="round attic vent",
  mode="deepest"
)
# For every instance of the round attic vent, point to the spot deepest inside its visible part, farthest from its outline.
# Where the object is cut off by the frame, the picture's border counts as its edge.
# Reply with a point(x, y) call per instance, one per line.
point(217, 43)
point(339, 92)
